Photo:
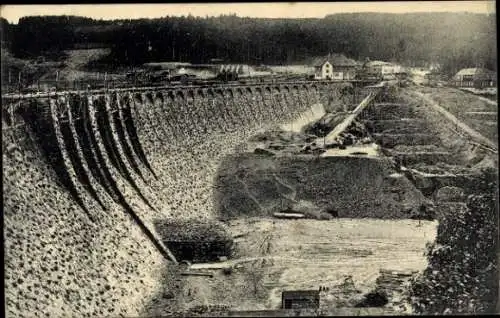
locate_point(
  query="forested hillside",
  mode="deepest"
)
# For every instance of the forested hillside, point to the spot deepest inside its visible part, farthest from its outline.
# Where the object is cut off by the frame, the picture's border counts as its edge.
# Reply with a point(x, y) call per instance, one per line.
point(455, 40)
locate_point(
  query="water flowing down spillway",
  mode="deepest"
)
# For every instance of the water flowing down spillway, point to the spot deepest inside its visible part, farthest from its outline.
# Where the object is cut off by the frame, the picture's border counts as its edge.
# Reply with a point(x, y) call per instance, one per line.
point(315, 113)
point(87, 175)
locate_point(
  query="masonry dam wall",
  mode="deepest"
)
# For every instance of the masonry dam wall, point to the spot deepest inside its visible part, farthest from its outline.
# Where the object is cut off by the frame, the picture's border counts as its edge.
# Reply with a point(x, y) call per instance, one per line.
point(86, 175)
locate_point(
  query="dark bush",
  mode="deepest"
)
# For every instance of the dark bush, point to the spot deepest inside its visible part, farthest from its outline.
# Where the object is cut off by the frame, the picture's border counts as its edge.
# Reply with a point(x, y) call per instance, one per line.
point(374, 299)
point(227, 271)
point(462, 273)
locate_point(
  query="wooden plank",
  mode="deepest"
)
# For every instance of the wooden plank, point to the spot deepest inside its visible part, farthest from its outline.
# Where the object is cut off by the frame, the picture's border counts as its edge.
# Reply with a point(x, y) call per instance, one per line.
point(197, 274)
point(330, 138)
point(281, 215)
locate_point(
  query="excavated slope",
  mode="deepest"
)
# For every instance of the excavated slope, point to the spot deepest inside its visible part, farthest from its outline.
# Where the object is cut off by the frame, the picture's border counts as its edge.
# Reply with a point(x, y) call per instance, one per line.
point(352, 187)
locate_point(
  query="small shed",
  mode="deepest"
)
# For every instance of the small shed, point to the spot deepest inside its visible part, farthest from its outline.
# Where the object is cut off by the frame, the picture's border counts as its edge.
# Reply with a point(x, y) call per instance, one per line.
point(300, 299)
point(475, 77)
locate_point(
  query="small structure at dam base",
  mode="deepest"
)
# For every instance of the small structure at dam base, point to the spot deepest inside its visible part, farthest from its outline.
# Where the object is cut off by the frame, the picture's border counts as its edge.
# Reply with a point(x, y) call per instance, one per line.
point(195, 241)
point(293, 299)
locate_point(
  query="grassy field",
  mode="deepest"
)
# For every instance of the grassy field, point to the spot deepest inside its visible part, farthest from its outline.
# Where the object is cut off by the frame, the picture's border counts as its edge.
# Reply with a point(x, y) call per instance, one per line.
point(70, 66)
point(77, 61)
point(464, 106)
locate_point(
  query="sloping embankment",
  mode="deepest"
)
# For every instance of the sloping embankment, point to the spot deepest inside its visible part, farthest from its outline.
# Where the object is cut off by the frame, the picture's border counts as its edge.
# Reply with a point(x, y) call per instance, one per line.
point(353, 187)
point(462, 272)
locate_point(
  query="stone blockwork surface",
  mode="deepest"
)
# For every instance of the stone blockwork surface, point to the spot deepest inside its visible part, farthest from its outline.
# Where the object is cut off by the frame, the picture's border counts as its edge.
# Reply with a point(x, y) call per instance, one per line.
point(59, 260)
point(85, 178)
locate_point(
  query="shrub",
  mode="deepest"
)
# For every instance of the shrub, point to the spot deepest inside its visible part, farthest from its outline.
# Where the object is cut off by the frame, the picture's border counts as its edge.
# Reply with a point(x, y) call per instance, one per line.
point(462, 273)
point(227, 271)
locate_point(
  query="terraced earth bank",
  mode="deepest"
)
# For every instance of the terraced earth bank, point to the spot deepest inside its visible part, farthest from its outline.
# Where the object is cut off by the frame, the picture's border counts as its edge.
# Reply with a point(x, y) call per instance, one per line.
point(252, 185)
point(86, 176)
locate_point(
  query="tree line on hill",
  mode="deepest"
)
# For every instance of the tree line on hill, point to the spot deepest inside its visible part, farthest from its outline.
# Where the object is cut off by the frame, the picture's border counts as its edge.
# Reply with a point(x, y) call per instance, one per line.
point(455, 40)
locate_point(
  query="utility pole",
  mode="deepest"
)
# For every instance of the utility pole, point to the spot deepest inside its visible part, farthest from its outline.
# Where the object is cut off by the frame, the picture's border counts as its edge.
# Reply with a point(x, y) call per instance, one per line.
point(324, 135)
point(173, 50)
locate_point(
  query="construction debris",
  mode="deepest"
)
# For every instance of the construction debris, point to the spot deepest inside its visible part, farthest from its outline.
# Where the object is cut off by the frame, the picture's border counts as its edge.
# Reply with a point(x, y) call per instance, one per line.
point(197, 274)
point(286, 215)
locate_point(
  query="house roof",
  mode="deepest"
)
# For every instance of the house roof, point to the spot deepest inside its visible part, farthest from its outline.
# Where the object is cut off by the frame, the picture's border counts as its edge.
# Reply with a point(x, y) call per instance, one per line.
point(234, 68)
point(299, 293)
point(377, 63)
point(474, 71)
point(319, 61)
point(335, 59)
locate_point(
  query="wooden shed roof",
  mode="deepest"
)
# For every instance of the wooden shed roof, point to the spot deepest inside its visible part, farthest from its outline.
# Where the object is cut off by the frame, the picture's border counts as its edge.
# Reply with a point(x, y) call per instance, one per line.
point(300, 293)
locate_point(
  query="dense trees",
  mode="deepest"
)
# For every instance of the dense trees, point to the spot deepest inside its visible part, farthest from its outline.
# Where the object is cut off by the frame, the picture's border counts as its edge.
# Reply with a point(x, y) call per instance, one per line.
point(455, 40)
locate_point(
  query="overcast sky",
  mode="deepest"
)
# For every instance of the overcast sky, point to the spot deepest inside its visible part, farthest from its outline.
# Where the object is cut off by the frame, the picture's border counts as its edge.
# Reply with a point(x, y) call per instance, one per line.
point(268, 10)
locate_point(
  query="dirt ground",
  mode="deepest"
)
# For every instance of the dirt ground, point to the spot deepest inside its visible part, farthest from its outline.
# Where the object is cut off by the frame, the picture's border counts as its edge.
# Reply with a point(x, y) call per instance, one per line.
point(275, 255)
point(71, 68)
point(353, 186)
point(77, 60)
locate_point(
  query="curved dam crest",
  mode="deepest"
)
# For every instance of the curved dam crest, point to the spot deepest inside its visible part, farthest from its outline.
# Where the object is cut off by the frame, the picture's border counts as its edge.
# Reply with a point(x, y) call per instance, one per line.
point(85, 176)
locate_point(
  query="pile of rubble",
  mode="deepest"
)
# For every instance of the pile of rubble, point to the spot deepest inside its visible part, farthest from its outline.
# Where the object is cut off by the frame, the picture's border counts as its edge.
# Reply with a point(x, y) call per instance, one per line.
point(325, 124)
point(279, 141)
point(343, 295)
point(311, 139)
point(355, 134)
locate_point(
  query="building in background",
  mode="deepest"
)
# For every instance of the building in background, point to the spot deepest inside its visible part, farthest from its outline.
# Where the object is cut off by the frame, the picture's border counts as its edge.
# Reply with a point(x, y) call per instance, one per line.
point(344, 68)
point(335, 67)
point(233, 71)
point(475, 77)
point(322, 69)
point(385, 70)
